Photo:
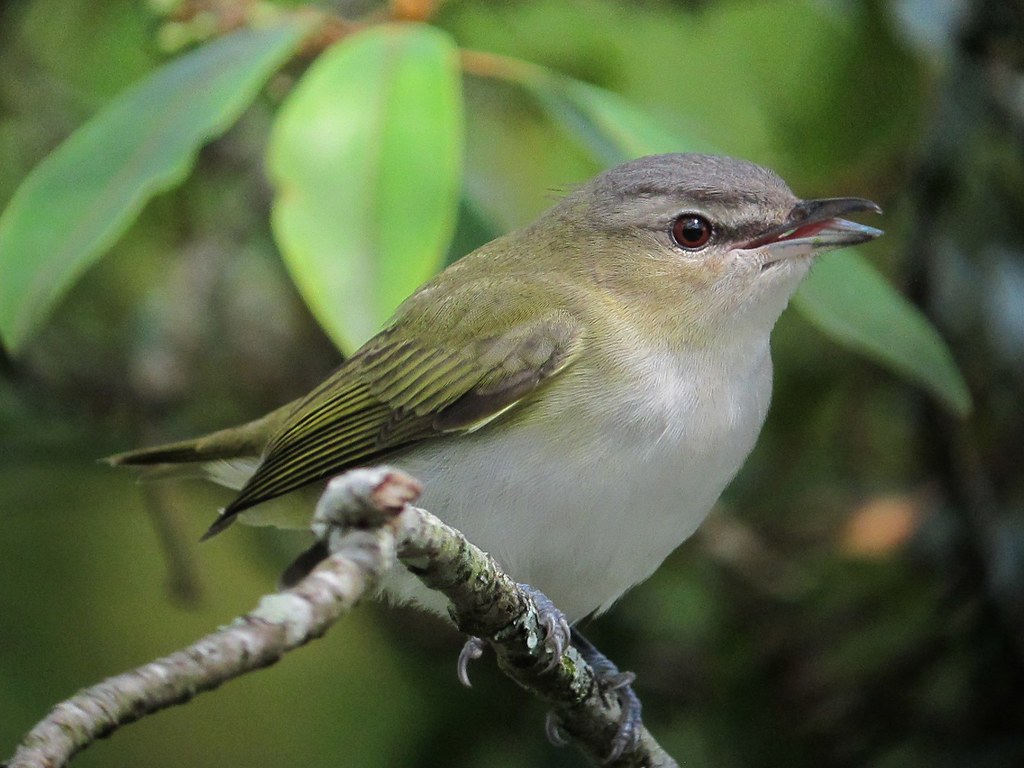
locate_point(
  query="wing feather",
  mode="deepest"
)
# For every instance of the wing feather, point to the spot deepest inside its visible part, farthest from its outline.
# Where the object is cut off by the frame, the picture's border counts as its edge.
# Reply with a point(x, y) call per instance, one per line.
point(393, 393)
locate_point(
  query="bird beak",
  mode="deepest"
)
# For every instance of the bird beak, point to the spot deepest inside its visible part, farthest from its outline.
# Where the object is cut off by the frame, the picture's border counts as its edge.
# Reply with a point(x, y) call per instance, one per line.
point(813, 227)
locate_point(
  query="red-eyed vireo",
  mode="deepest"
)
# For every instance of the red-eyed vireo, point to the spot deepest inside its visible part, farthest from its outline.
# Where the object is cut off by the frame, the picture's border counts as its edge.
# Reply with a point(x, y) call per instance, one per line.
point(575, 395)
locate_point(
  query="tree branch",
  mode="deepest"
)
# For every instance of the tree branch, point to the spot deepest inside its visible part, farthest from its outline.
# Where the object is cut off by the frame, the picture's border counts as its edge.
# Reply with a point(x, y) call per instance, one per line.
point(365, 518)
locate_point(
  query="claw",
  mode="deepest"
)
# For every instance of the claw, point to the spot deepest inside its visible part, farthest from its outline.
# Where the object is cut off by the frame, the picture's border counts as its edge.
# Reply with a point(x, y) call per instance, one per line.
point(628, 734)
point(557, 632)
point(619, 684)
point(471, 651)
point(553, 732)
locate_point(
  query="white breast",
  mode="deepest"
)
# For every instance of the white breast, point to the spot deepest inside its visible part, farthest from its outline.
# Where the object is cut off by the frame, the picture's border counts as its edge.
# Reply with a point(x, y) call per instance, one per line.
point(585, 512)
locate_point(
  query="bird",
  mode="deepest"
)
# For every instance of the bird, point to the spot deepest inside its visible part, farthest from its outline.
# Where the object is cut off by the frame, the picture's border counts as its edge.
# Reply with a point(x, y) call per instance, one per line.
point(574, 395)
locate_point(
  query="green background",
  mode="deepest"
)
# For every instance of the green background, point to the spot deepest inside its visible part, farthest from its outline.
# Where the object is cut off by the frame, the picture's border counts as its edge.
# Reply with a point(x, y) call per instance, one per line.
point(856, 600)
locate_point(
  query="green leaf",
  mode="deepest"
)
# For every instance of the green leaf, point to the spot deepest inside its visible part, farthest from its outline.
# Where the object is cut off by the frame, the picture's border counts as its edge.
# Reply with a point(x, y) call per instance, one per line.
point(611, 128)
point(850, 302)
point(76, 203)
point(366, 156)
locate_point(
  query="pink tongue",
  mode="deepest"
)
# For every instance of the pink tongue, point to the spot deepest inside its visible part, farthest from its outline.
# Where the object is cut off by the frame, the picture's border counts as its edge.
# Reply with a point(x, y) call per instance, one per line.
point(807, 230)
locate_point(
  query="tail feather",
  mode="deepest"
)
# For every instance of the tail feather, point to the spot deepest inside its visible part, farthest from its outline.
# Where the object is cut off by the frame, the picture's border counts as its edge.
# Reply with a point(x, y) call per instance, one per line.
point(184, 452)
point(247, 440)
point(227, 456)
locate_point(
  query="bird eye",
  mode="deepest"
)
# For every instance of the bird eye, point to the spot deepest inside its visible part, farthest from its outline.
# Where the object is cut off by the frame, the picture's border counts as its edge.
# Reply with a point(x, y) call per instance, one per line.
point(691, 231)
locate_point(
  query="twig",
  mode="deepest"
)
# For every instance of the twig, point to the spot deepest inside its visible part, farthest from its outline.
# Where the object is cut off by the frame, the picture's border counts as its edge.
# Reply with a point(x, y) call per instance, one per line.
point(183, 582)
point(488, 604)
point(365, 519)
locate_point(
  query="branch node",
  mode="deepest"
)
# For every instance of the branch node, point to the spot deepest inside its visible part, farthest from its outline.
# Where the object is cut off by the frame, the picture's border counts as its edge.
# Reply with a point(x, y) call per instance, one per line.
point(363, 498)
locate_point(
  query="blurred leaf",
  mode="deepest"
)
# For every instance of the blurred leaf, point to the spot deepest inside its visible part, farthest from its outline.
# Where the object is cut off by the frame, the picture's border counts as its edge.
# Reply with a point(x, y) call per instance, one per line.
point(611, 128)
point(849, 301)
point(81, 198)
point(366, 156)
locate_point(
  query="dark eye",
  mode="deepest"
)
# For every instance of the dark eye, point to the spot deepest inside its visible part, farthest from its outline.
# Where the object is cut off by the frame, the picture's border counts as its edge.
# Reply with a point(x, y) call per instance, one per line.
point(691, 231)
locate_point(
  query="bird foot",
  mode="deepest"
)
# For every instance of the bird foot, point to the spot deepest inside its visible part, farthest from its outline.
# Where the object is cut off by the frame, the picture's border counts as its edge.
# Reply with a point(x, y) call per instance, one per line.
point(557, 632)
point(555, 627)
point(611, 682)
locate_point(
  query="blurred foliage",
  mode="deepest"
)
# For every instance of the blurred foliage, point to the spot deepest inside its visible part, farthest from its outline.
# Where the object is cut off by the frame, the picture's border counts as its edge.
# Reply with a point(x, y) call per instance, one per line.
point(858, 600)
point(375, 123)
point(84, 195)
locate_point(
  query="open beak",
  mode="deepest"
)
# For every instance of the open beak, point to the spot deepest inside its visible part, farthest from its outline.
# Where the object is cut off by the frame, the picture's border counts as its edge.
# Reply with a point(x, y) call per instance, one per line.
point(813, 227)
